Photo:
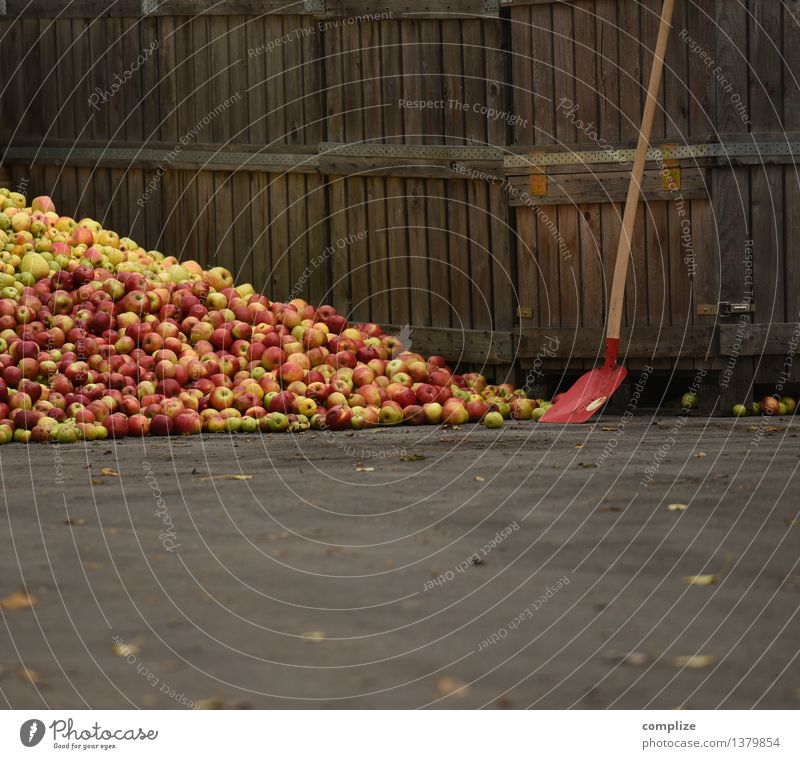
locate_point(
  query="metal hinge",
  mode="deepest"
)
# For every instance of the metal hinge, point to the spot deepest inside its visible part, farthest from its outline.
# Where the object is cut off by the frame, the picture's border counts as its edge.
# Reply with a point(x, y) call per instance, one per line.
point(724, 308)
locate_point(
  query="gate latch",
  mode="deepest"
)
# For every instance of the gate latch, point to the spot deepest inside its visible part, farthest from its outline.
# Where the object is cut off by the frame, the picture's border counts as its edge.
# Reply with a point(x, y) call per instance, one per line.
point(724, 308)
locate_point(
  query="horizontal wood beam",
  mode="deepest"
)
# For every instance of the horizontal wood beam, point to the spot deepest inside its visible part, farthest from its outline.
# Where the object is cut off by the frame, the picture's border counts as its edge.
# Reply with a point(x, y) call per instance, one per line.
point(775, 339)
point(363, 10)
point(488, 347)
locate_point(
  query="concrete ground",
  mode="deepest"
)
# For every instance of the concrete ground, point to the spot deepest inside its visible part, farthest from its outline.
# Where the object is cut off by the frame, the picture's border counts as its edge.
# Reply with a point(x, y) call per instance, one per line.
point(334, 571)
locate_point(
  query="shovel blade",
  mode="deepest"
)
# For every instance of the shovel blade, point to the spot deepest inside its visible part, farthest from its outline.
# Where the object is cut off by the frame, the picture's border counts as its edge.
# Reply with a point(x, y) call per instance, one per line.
point(587, 396)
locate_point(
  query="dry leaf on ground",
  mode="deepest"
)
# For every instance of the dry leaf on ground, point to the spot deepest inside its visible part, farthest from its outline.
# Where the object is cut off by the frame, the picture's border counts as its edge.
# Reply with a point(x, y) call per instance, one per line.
point(107, 471)
point(452, 686)
point(694, 662)
point(677, 507)
point(19, 600)
point(701, 579)
point(30, 676)
point(227, 477)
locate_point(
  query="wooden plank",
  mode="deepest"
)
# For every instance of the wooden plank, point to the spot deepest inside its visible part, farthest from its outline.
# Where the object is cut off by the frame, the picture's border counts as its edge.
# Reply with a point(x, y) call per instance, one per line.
point(592, 291)
point(438, 254)
point(765, 66)
point(279, 237)
point(474, 82)
point(167, 86)
point(630, 75)
point(680, 272)
point(134, 119)
point(607, 38)
point(479, 246)
point(419, 282)
point(219, 131)
point(316, 210)
point(358, 247)
point(544, 101)
point(659, 260)
point(604, 187)
point(412, 81)
point(701, 85)
point(547, 249)
point(298, 254)
point(521, 93)
point(675, 92)
point(150, 80)
point(502, 265)
point(757, 339)
point(791, 64)
point(705, 285)
point(66, 125)
point(238, 112)
point(293, 82)
point(527, 279)
point(564, 72)
point(242, 227)
point(453, 86)
point(409, 9)
point(569, 268)
point(340, 263)
point(497, 96)
point(259, 208)
point(461, 345)
point(458, 247)
point(586, 62)
point(767, 210)
point(372, 61)
point(133, 8)
point(274, 83)
point(398, 251)
point(391, 81)
point(642, 342)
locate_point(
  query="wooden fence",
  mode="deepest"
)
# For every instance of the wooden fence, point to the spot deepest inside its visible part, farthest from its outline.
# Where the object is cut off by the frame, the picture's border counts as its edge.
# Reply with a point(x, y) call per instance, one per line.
point(445, 164)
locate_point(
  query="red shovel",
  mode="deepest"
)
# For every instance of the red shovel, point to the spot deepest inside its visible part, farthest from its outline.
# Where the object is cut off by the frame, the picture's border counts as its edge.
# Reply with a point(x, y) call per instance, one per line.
point(591, 391)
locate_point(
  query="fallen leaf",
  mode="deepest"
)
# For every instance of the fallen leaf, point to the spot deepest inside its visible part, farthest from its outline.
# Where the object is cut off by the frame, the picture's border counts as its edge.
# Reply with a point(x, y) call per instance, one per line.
point(609, 429)
point(700, 455)
point(210, 703)
point(314, 636)
point(677, 507)
point(18, 600)
point(361, 468)
point(30, 676)
point(478, 478)
point(107, 471)
point(98, 482)
point(125, 649)
point(694, 662)
point(74, 522)
point(586, 465)
point(227, 477)
point(579, 445)
point(413, 457)
point(701, 579)
point(452, 686)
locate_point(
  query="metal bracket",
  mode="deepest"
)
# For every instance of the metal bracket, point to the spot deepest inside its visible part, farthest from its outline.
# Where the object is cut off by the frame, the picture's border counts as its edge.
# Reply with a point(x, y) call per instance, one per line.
point(525, 312)
point(492, 6)
point(3, 9)
point(315, 7)
point(149, 6)
point(724, 308)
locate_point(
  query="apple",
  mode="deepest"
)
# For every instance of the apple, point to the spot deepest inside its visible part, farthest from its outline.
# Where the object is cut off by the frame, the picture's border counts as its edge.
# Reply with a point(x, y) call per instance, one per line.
point(493, 420)
point(769, 405)
point(339, 417)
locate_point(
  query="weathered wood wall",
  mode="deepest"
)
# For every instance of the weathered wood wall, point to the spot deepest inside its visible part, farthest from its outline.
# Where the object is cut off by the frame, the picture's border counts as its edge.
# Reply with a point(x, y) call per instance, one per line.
point(263, 117)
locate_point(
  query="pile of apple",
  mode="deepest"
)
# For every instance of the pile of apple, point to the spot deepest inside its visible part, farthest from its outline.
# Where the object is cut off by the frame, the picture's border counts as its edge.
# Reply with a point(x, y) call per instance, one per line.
point(101, 338)
point(769, 405)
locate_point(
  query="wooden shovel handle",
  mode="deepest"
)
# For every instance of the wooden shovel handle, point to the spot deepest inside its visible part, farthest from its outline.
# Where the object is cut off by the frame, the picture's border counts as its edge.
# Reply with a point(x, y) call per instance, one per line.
point(632, 202)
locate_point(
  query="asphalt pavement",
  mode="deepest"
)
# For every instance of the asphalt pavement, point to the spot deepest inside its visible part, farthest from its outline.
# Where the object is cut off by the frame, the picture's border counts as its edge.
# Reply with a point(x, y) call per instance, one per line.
point(647, 562)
